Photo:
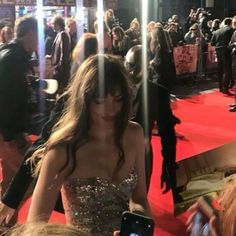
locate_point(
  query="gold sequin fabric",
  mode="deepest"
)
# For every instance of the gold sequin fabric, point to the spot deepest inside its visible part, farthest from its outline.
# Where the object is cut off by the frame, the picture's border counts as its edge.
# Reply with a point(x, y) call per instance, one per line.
point(95, 204)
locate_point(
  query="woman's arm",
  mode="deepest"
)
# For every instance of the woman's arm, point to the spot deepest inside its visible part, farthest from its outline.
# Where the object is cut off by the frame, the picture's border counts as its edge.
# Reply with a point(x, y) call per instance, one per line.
point(48, 185)
point(138, 200)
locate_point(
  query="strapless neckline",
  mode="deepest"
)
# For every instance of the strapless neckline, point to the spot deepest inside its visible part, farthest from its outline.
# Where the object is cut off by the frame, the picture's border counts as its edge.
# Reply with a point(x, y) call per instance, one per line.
point(132, 172)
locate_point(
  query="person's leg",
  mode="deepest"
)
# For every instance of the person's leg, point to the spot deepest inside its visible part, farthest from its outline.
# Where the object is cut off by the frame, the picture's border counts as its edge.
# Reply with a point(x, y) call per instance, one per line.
point(227, 68)
point(148, 164)
point(11, 156)
point(168, 142)
point(220, 70)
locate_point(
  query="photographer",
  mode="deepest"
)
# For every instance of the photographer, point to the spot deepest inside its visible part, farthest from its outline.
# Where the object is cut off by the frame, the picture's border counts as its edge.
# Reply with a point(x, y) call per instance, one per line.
point(14, 97)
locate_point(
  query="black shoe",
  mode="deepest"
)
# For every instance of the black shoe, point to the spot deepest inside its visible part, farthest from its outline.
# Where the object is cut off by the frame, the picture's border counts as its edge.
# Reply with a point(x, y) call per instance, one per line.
point(232, 109)
point(227, 93)
point(232, 105)
point(231, 85)
point(177, 198)
point(175, 120)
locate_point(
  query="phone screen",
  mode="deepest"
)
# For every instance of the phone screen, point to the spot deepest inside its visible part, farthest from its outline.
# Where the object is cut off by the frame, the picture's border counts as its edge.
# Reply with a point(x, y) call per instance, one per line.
point(200, 225)
point(136, 225)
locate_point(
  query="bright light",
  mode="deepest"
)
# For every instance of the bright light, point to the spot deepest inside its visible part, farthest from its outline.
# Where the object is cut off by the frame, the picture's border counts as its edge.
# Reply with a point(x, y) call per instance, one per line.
point(79, 18)
point(144, 5)
point(100, 37)
point(41, 46)
point(100, 33)
point(99, 14)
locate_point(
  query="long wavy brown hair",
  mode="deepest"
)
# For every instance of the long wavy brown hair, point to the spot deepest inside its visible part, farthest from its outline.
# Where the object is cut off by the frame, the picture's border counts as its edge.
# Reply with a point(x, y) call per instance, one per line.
point(72, 129)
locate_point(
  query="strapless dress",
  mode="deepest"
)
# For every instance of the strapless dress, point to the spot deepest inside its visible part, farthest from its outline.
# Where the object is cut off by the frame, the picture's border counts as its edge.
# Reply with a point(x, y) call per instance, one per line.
point(95, 205)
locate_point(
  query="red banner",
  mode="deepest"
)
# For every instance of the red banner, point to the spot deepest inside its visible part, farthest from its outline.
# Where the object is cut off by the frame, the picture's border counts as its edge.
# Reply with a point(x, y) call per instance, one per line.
point(186, 58)
point(34, 2)
point(87, 3)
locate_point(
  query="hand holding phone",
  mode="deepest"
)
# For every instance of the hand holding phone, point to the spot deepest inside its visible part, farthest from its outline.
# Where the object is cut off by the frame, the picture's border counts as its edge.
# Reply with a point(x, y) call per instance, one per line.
point(200, 222)
point(133, 224)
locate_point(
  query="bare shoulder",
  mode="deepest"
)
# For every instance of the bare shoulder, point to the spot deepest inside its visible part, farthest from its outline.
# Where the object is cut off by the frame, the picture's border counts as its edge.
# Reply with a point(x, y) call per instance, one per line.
point(134, 129)
point(56, 157)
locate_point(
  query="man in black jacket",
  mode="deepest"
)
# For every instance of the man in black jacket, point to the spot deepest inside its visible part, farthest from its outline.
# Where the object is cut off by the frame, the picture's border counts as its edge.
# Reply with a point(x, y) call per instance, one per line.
point(155, 106)
point(220, 39)
point(14, 97)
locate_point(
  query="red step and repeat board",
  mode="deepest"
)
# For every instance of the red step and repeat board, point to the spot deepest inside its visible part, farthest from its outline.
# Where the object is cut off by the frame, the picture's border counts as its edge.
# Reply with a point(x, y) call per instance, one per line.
point(187, 57)
point(86, 3)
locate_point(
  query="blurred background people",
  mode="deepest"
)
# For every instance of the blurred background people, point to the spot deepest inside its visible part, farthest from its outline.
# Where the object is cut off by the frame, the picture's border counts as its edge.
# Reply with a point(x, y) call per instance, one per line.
point(194, 35)
point(86, 46)
point(61, 54)
point(134, 32)
point(107, 39)
point(175, 37)
point(49, 35)
point(109, 19)
point(7, 34)
point(71, 28)
point(220, 40)
point(120, 41)
point(14, 98)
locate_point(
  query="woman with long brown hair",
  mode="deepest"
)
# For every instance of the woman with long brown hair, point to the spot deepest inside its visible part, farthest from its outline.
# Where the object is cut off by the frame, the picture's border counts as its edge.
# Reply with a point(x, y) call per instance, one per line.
point(95, 155)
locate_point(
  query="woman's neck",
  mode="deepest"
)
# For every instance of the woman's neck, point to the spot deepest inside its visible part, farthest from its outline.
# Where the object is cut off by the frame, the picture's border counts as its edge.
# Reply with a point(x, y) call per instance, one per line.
point(101, 133)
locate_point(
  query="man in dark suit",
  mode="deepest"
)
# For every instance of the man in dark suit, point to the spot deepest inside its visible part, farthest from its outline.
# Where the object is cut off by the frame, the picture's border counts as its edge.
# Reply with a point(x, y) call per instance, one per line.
point(232, 47)
point(61, 54)
point(148, 109)
point(15, 69)
point(220, 39)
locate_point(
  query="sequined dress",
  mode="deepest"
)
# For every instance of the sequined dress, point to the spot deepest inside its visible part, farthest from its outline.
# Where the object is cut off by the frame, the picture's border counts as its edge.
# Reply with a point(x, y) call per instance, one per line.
point(95, 204)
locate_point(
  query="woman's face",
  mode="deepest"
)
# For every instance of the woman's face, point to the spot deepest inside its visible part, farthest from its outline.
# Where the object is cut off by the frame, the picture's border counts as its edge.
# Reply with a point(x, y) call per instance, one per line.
point(8, 35)
point(115, 36)
point(134, 26)
point(105, 110)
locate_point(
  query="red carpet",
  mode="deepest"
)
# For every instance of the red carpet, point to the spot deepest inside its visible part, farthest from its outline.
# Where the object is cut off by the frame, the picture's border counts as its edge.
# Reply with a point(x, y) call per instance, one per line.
point(206, 124)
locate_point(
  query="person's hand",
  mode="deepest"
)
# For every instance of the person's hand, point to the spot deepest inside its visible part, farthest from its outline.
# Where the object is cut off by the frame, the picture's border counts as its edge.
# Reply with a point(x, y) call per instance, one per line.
point(116, 233)
point(6, 213)
point(213, 221)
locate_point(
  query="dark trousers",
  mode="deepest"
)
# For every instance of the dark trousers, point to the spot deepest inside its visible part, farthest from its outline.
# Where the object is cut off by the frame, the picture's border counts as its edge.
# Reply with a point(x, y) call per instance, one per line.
point(168, 141)
point(224, 63)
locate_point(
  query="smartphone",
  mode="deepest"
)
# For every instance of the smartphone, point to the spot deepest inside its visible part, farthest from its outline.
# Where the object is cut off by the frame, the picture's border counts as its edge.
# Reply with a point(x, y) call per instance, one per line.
point(205, 211)
point(133, 224)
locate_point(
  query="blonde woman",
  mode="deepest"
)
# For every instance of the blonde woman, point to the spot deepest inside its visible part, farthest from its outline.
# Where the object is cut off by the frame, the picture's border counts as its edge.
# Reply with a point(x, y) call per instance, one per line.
point(134, 32)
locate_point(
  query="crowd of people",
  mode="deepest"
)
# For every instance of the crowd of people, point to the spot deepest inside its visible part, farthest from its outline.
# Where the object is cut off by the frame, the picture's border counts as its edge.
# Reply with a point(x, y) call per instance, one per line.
point(93, 158)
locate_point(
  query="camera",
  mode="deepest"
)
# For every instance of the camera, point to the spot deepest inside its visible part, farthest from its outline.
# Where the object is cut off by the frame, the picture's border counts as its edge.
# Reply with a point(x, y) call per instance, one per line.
point(41, 101)
point(49, 86)
point(133, 224)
